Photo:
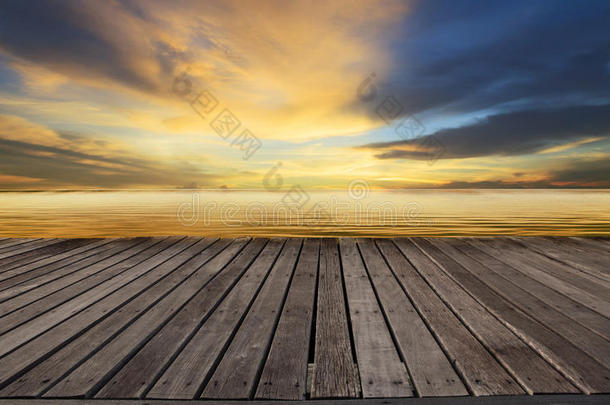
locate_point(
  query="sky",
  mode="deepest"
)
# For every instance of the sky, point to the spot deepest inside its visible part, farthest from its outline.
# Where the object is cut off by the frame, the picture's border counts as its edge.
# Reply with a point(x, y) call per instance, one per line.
point(230, 94)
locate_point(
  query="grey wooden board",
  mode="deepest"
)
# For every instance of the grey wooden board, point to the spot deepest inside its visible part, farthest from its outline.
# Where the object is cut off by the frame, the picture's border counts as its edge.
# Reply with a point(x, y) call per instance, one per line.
point(525, 266)
point(335, 374)
point(382, 373)
point(430, 369)
point(584, 260)
point(84, 379)
point(236, 374)
point(27, 247)
point(531, 370)
point(59, 363)
point(6, 242)
point(42, 253)
point(284, 375)
point(146, 274)
point(592, 285)
point(582, 370)
point(577, 312)
point(47, 266)
point(602, 246)
point(110, 254)
point(479, 369)
point(140, 372)
point(579, 336)
point(188, 371)
point(37, 301)
point(125, 324)
point(500, 400)
point(34, 327)
point(18, 244)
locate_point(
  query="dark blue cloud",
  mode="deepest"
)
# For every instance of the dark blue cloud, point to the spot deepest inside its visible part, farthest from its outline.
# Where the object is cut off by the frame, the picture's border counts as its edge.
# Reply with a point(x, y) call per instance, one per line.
point(471, 55)
point(508, 134)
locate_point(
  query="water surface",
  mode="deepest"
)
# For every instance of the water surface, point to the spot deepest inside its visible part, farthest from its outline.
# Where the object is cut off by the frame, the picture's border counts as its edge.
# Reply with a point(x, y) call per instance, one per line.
point(305, 213)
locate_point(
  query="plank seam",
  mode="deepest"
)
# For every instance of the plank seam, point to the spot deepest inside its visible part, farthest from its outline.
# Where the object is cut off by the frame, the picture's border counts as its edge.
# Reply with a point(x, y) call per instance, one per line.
point(503, 322)
point(349, 320)
point(423, 318)
point(65, 275)
point(88, 327)
point(117, 367)
point(261, 366)
point(387, 320)
point(204, 319)
point(128, 324)
point(223, 350)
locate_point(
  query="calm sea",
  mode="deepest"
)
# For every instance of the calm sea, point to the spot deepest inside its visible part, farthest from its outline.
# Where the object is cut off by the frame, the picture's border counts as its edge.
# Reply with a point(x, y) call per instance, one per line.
point(305, 213)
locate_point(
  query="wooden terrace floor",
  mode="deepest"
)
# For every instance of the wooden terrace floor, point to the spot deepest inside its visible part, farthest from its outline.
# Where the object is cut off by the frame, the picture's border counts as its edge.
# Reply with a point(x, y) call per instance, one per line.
point(306, 319)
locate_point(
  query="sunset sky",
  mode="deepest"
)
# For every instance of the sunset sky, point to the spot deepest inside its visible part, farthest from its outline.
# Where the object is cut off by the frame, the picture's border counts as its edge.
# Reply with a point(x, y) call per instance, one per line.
point(401, 94)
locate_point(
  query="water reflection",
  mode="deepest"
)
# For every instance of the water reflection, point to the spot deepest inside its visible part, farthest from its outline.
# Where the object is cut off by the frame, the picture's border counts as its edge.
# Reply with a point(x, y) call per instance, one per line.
point(324, 213)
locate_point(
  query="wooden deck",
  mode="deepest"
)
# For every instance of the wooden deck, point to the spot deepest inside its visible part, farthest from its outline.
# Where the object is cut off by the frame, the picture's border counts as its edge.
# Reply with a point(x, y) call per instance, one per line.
point(508, 320)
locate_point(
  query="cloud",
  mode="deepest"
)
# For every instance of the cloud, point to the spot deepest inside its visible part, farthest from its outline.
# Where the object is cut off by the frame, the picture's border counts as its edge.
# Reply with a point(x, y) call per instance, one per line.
point(287, 70)
point(510, 134)
point(33, 153)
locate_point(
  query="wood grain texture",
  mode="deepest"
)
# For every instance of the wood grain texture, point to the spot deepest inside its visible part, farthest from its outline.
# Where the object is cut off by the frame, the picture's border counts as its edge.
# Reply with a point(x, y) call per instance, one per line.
point(382, 373)
point(588, 374)
point(335, 374)
point(431, 371)
point(531, 270)
point(316, 320)
point(532, 371)
point(35, 381)
point(43, 342)
point(578, 312)
point(481, 371)
point(84, 379)
point(190, 369)
point(42, 253)
point(39, 300)
point(236, 375)
point(140, 372)
point(559, 249)
point(284, 375)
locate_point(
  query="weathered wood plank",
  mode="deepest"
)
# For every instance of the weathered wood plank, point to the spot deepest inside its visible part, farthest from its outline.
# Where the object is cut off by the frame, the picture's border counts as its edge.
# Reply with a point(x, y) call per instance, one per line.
point(236, 374)
point(109, 254)
point(17, 243)
point(36, 380)
point(284, 375)
point(577, 335)
point(602, 246)
point(27, 247)
point(478, 368)
point(430, 369)
point(86, 379)
point(531, 270)
point(578, 312)
point(37, 256)
point(382, 373)
point(525, 363)
point(102, 293)
point(32, 303)
point(334, 375)
point(598, 287)
point(140, 372)
point(563, 399)
point(174, 318)
point(582, 370)
point(36, 269)
point(533, 373)
point(570, 254)
point(190, 369)
point(5, 242)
